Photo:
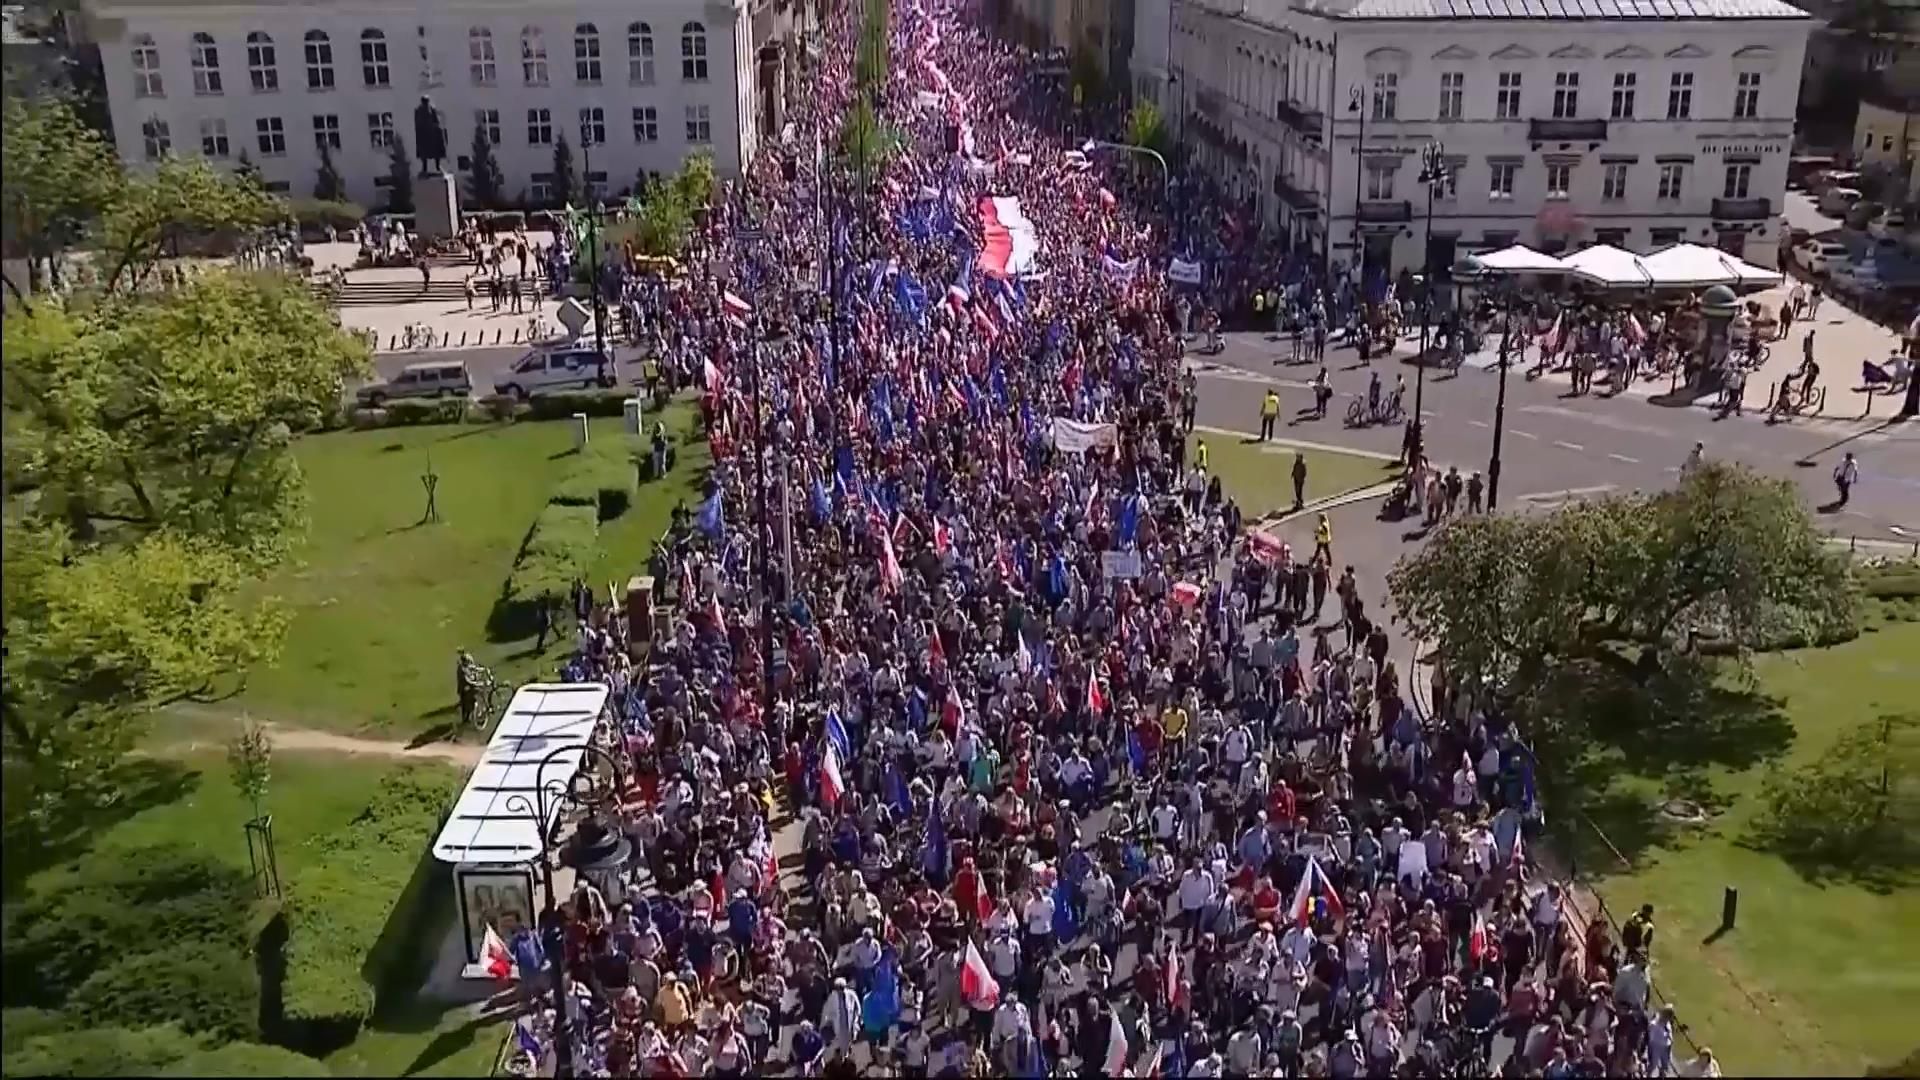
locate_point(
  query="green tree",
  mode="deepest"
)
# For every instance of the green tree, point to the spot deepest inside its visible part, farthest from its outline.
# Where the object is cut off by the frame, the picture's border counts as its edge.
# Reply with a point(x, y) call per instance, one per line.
point(694, 184)
point(565, 184)
point(328, 186)
point(870, 60)
point(250, 760)
point(399, 176)
point(60, 175)
point(867, 142)
point(247, 169)
point(486, 182)
point(1145, 127)
point(1625, 581)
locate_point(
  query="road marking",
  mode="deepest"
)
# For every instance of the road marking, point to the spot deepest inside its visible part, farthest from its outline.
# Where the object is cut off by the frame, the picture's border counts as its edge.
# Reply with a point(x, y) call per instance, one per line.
point(1525, 434)
point(1286, 443)
point(1566, 494)
point(1574, 446)
point(1625, 458)
point(1596, 418)
point(1480, 423)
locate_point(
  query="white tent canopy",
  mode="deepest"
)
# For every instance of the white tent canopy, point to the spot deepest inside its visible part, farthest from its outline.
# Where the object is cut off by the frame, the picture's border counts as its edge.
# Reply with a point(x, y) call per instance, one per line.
point(546, 722)
point(1610, 266)
point(1695, 267)
point(1521, 259)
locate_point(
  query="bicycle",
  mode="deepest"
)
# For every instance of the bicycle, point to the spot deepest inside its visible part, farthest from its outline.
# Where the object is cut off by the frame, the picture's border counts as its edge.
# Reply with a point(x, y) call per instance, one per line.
point(418, 336)
point(487, 694)
point(1389, 411)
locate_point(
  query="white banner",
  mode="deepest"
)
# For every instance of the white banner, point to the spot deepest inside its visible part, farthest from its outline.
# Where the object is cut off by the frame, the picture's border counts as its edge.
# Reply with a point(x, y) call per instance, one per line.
point(1120, 564)
point(1074, 437)
point(1184, 272)
point(1122, 271)
point(927, 99)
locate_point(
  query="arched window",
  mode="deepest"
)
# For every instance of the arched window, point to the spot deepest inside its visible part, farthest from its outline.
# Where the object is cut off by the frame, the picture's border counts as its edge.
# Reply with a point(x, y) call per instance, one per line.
point(693, 52)
point(146, 68)
point(533, 56)
point(263, 66)
point(319, 49)
point(374, 70)
point(206, 65)
point(480, 55)
point(586, 53)
point(639, 54)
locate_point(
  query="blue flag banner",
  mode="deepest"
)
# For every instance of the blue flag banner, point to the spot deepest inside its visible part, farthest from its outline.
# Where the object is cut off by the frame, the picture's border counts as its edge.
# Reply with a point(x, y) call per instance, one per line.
point(1066, 920)
point(818, 498)
point(897, 795)
point(1136, 752)
point(837, 734)
point(934, 859)
point(712, 519)
point(881, 1008)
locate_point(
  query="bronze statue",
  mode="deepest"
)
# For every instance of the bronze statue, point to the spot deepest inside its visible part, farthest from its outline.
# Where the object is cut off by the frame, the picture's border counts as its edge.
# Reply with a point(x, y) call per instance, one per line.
point(429, 137)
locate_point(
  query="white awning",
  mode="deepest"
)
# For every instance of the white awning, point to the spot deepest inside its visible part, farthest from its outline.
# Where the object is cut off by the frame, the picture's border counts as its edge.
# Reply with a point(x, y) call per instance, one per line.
point(1609, 265)
point(1521, 259)
point(1696, 267)
point(550, 723)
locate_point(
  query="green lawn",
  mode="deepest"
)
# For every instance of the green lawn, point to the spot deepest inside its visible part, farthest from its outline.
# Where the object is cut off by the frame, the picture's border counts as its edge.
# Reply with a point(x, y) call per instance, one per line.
point(1259, 476)
point(1812, 979)
point(381, 603)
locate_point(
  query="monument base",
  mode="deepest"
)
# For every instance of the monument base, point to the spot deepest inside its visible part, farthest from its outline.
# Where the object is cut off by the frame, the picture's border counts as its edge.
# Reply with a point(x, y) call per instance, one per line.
point(436, 207)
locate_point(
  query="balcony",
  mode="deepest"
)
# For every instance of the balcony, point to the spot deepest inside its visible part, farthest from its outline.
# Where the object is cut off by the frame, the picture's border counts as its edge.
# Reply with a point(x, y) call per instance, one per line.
point(1307, 123)
point(1385, 211)
point(1299, 199)
point(1566, 131)
point(1755, 209)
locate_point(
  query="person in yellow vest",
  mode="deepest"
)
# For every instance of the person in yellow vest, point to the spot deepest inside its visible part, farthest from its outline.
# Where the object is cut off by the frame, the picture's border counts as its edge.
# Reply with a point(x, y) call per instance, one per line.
point(1323, 539)
point(1259, 308)
point(1200, 453)
point(1269, 412)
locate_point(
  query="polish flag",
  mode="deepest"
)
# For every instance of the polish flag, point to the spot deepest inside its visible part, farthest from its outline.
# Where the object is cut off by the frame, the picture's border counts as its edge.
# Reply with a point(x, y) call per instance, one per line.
point(1314, 884)
point(1096, 700)
point(737, 309)
point(494, 954)
point(1173, 975)
point(1517, 862)
point(1477, 941)
point(942, 538)
point(890, 573)
point(977, 984)
point(935, 650)
point(716, 379)
point(1116, 1047)
point(832, 788)
point(951, 710)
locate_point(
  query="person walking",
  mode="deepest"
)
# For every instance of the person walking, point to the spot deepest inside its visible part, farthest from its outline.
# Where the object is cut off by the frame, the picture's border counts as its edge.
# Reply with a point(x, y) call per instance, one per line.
point(1845, 475)
point(1299, 479)
point(1269, 412)
point(1323, 538)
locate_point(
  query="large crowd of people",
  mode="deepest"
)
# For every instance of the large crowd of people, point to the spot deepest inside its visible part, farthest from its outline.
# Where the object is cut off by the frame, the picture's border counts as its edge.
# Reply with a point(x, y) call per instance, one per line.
point(1079, 776)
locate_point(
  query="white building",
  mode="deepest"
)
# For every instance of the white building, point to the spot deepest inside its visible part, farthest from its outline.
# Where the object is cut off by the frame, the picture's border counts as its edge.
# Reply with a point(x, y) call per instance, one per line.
point(648, 82)
point(1638, 123)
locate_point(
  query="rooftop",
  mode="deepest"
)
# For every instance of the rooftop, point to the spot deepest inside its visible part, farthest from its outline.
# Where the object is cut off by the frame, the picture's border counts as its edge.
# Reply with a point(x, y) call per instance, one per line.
point(1557, 9)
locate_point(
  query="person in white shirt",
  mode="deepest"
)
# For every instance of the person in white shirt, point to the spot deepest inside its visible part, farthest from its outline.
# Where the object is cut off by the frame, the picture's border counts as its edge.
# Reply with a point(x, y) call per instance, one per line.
point(1003, 957)
point(840, 1017)
point(1244, 1051)
point(1009, 1019)
point(1039, 918)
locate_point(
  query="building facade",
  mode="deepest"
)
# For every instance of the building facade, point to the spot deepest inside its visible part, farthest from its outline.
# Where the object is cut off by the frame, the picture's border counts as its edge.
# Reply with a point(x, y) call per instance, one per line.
point(645, 83)
point(1620, 124)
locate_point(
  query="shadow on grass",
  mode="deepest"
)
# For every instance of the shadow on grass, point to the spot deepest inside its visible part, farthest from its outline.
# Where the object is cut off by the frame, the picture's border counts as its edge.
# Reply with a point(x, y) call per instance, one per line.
point(140, 784)
point(1853, 814)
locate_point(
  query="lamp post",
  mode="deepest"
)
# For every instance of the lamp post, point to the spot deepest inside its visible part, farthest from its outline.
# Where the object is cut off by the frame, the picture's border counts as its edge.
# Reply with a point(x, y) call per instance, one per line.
point(1357, 103)
point(1434, 175)
point(593, 245)
point(1469, 272)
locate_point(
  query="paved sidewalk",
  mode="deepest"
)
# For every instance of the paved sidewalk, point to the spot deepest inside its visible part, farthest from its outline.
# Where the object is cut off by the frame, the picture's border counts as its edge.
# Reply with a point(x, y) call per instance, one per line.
point(454, 325)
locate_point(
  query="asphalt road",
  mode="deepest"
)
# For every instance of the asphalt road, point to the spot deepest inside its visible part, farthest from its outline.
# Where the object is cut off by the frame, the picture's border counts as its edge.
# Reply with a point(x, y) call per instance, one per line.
point(1558, 446)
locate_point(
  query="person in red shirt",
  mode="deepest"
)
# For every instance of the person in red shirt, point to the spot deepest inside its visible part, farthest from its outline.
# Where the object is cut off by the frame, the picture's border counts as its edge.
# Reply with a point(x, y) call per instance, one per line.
point(969, 892)
point(1280, 805)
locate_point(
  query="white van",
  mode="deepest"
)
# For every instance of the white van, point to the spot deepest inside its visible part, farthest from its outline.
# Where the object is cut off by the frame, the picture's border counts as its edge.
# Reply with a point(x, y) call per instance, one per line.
point(1838, 200)
point(548, 370)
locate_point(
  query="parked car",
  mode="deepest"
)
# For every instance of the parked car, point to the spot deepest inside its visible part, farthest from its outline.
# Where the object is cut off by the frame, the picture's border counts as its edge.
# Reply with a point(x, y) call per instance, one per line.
point(548, 370)
point(1837, 200)
point(436, 379)
point(1889, 226)
point(1821, 256)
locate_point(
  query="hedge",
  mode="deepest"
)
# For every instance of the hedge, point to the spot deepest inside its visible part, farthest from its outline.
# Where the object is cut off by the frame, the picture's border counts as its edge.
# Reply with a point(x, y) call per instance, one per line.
point(317, 214)
point(102, 1051)
point(409, 412)
point(560, 548)
point(340, 905)
point(246, 1059)
point(591, 402)
point(602, 476)
point(203, 987)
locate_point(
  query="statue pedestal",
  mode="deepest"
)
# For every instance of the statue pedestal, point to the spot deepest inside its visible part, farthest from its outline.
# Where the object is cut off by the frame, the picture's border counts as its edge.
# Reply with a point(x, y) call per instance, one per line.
point(436, 207)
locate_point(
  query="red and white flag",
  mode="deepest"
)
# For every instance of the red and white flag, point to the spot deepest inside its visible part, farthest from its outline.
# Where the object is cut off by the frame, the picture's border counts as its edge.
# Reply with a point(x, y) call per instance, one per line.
point(1477, 941)
point(891, 575)
point(737, 309)
point(716, 379)
point(942, 538)
point(494, 954)
point(1173, 975)
point(977, 984)
point(1117, 1054)
point(831, 785)
point(1314, 885)
point(1096, 698)
point(1517, 862)
point(951, 710)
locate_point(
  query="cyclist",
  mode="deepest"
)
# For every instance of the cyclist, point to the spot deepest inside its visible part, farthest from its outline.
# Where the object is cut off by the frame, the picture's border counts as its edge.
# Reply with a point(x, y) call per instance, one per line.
point(468, 678)
point(1480, 1013)
point(1322, 391)
point(1373, 397)
point(1395, 403)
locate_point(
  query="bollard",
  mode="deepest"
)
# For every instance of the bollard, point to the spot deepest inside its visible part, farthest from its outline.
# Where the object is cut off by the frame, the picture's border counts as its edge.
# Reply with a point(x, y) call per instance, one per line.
point(463, 339)
point(496, 335)
point(580, 431)
point(1729, 907)
point(394, 345)
point(516, 335)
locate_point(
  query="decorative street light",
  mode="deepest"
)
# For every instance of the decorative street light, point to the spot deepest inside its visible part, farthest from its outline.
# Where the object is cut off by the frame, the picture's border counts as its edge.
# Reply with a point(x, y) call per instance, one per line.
point(1468, 273)
point(1358, 103)
point(1434, 176)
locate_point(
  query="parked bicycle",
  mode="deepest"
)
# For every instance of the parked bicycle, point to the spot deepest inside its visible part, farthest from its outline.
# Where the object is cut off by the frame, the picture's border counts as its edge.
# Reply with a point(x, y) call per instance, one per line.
point(418, 336)
point(1388, 411)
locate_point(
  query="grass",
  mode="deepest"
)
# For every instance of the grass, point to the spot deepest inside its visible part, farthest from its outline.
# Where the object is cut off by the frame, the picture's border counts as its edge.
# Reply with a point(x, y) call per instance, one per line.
point(381, 602)
point(1810, 980)
point(1260, 476)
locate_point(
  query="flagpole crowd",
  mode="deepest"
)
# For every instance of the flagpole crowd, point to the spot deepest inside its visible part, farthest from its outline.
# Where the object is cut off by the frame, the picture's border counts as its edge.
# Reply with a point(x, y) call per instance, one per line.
point(1086, 782)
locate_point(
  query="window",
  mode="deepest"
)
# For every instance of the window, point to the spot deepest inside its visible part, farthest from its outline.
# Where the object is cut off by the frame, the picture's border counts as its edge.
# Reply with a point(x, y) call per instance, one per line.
point(1624, 84)
point(1380, 182)
point(1506, 105)
point(156, 139)
point(206, 65)
point(1680, 96)
point(533, 56)
point(1453, 92)
point(213, 138)
point(1746, 96)
point(429, 71)
point(319, 60)
point(646, 124)
point(699, 124)
point(1673, 177)
point(1739, 181)
point(640, 54)
point(1612, 237)
point(1886, 143)
point(373, 59)
point(1665, 237)
point(146, 68)
point(262, 65)
point(539, 127)
point(1500, 180)
point(1566, 95)
point(693, 52)
point(586, 53)
point(380, 130)
point(480, 62)
point(593, 126)
point(488, 121)
point(1559, 181)
point(1386, 96)
point(271, 135)
point(542, 190)
point(1613, 181)
point(326, 132)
